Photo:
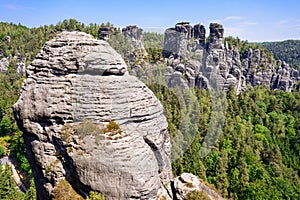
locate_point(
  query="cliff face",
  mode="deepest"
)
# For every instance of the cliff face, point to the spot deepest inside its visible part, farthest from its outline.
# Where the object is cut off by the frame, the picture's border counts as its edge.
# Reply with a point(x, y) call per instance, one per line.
point(86, 120)
point(192, 62)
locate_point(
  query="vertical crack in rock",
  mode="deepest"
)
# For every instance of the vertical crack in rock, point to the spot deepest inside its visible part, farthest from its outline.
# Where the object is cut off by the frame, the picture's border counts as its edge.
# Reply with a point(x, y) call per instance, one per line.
point(156, 152)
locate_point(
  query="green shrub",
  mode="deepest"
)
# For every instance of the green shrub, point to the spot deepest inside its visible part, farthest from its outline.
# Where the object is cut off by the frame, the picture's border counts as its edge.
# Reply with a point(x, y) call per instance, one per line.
point(196, 195)
point(64, 191)
point(112, 127)
point(66, 131)
point(189, 184)
point(95, 196)
point(2, 152)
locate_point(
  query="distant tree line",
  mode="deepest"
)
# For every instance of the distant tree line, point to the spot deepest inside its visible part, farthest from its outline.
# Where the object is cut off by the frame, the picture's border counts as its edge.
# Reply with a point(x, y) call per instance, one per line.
point(288, 51)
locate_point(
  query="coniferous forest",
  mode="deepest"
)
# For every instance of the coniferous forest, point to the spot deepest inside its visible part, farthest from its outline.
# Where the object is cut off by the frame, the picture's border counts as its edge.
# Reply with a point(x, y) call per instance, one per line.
point(256, 155)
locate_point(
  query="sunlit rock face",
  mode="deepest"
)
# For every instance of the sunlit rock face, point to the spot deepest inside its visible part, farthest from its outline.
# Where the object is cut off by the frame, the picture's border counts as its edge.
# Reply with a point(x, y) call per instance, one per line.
point(195, 61)
point(75, 89)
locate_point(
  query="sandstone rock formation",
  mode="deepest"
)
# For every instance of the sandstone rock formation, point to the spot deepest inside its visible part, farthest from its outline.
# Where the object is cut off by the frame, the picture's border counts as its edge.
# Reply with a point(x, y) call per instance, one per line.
point(213, 64)
point(199, 34)
point(135, 34)
point(21, 68)
point(186, 183)
point(4, 62)
point(20, 64)
point(86, 120)
point(104, 33)
point(177, 39)
point(137, 54)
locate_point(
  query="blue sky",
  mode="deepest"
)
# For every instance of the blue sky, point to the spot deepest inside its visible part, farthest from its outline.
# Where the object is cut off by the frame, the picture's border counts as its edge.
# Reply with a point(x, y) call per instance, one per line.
point(252, 20)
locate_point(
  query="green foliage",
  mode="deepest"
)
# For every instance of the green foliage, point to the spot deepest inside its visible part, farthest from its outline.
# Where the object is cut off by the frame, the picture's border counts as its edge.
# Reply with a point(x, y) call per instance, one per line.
point(121, 44)
point(10, 85)
point(95, 196)
point(8, 187)
point(257, 155)
point(153, 40)
point(189, 184)
point(2, 151)
point(153, 43)
point(10, 136)
point(64, 191)
point(196, 195)
point(288, 51)
point(244, 45)
point(18, 152)
point(5, 126)
point(31, 192)
point(112, 127)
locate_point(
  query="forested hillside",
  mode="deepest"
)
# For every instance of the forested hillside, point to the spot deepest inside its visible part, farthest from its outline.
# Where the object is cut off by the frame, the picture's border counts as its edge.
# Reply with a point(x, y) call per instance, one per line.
point(288, 51)
point(256, 155)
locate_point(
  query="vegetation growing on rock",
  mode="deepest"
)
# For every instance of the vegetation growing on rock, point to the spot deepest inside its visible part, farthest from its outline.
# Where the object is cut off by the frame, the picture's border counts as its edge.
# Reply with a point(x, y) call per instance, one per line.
point(256, 157)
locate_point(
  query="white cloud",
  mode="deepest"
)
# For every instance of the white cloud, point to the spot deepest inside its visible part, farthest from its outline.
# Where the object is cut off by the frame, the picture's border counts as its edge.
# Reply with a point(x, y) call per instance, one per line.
point(229, 18)
point(232, 18)
point(246, 23)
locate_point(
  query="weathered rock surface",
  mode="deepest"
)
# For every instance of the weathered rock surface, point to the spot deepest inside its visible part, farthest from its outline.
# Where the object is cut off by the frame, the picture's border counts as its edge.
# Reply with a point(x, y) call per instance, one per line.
point(104, 32)
point(21, 68)
point(20, 64)
point(75, 86)
point(186, 183)
point(199, 34)
point(214, 65)
point(135, 34)
point(137, 54)
point(4, 62)
point(177, 39)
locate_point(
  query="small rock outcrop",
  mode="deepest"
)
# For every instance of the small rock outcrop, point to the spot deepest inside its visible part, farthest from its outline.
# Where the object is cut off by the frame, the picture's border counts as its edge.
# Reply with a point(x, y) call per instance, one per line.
point(20, 65)
point(177, 39)
point(193, 62)
point(137, 54)
point(86, 120)
point(135, 34)
point(21, 68)
point(4, 62)
point(216, 36)
point(187, 183)
point(199, 34)
point(104, 33)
